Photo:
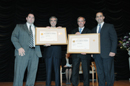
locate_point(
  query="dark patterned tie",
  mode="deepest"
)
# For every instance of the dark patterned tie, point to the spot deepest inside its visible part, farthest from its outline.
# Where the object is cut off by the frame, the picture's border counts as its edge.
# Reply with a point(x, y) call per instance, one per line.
point(31, 44)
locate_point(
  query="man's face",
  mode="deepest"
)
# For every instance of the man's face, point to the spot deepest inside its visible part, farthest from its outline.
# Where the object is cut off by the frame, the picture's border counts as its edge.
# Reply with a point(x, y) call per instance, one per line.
point(100, 18)
point(30, 18)
point(81, 22)
point(53, 22)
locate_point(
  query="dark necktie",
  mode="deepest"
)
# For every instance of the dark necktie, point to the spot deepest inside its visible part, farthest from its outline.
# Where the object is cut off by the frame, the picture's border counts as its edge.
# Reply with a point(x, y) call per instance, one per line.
point(99, 28)
point(31, 44)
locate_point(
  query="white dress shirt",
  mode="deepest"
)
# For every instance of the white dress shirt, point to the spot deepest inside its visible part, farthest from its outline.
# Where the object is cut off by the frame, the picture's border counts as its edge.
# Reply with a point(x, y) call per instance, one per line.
point(98, 26)
point(33, 30)
point(82, 29)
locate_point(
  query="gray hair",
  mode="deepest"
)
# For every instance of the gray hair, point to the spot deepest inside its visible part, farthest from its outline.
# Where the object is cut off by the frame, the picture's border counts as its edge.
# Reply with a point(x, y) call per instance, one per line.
point(81, 17)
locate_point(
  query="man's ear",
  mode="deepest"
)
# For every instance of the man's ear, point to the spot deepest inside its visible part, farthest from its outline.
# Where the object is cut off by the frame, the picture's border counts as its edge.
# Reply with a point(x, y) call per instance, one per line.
point(84, 22)
point(103, 17)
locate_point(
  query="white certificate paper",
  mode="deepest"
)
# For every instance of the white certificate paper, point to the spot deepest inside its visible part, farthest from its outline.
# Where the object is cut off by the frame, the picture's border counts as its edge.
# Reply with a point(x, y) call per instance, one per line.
point(80, 43)
point(48, 35)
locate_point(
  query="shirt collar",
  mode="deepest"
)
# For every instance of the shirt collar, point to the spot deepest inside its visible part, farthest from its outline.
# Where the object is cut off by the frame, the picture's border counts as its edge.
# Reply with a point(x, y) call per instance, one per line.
point(32, 25)
point(81, 28)
point(101, 24)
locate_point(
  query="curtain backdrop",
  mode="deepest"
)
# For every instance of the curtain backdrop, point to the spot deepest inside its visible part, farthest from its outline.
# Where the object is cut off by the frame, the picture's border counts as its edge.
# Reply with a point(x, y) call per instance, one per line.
point(13, 12)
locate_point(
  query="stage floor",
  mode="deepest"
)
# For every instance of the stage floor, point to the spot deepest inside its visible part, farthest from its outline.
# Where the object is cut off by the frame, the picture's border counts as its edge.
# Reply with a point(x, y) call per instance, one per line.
point(117, 83)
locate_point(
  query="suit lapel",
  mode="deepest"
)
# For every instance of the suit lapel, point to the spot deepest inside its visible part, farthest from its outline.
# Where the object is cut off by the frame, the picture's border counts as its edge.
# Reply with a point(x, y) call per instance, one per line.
point(77, 30)
point(95, 30)
point(26, 29)
point(103, 27)
point(84, 30)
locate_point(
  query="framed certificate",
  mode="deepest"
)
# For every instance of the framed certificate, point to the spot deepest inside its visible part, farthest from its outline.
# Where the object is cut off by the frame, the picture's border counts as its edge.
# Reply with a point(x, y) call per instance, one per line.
point(84, 43)
point(53, 36)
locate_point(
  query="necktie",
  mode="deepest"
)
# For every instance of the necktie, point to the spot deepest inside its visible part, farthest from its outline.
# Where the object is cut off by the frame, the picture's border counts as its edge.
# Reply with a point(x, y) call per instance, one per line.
point(31, 40)
point(99, 28)
point(80, 30)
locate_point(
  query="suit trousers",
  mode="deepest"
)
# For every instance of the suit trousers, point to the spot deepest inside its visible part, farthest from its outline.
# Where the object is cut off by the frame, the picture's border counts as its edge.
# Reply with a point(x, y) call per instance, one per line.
point(85, 66)
point(52, 61)
point(105, 70)
point(29, 61)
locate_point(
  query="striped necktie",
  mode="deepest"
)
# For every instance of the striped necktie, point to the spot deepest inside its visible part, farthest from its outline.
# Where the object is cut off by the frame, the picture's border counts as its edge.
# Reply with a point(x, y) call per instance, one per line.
point(80, 30)
point(99, 28)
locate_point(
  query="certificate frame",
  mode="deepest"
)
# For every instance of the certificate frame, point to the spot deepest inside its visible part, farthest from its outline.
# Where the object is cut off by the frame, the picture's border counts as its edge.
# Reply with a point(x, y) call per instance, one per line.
point(94, 43)
point(60, 32)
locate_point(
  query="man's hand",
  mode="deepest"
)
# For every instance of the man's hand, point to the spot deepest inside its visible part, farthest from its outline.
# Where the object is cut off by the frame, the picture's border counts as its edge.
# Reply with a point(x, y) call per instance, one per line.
point(77, 33)
point(21, 52)
point(47, 44)
point(112, 54)
point(83, 53)
point(48, 27)
point(59, 27)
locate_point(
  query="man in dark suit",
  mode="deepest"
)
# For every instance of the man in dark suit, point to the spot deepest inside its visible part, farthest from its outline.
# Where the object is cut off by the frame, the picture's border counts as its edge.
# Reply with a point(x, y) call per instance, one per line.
point(52, 55)
point(26, 52)
point(83, 57)
point(105, 60)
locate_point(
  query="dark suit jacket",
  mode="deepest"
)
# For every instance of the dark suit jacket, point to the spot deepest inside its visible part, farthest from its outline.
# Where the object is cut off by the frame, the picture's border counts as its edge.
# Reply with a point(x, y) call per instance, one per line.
point(53, 50)
point(21, 39)
point(108, 39)
point(85, 31)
